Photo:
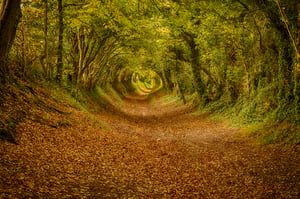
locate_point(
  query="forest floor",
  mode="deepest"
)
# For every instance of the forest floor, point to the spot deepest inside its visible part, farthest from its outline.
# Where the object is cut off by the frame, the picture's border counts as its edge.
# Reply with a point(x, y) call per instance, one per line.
point(146, 150)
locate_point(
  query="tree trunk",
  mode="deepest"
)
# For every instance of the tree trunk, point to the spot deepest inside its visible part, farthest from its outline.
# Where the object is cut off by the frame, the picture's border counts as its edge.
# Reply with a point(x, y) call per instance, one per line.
point(24, 49)
point(286, 65)
point(196, 66)
point(80, 38)
point(47, 68)
point(287, 53)
point(59, 65)
point(10, 15)
point(297, 68)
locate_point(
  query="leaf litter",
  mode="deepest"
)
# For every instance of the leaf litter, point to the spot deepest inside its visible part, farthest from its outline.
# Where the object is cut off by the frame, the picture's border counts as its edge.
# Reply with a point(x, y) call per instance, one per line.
point(149, 150)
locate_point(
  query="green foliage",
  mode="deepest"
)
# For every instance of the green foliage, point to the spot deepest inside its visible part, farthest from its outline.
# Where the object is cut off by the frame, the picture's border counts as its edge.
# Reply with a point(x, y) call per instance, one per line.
point(233, 58)
point(171, 99)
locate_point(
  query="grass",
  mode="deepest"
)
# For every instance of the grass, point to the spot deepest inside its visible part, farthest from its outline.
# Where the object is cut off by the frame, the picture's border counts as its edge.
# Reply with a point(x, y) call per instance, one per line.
point(170, 99)
point(107, 96)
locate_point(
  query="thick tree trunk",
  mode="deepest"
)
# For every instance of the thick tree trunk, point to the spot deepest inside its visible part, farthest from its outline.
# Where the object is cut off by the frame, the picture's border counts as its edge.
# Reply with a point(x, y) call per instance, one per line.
point(196, 66)
point(81, 53)
point(286, 62)
point(10, 14)
point(197, 72)
point(75, 57)
point(60, 43)
point(287, 53)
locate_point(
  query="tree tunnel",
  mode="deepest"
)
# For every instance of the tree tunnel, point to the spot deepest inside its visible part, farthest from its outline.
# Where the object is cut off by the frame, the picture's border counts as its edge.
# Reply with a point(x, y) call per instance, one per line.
point(141, 82)
point(242, 53)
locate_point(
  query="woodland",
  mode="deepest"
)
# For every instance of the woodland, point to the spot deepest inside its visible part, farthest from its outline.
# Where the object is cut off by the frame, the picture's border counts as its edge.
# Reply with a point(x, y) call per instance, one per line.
point(149, 98)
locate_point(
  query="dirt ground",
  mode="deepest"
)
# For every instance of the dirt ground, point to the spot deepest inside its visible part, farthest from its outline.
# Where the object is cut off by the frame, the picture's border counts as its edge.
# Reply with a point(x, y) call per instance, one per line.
point(147, 150)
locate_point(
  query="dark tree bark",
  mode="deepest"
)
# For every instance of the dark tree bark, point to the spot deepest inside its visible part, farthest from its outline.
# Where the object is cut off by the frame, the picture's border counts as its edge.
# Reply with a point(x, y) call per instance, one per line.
point(10, 15)
point(48, 69)
point(196, 66)
point(287, 53)
point(60, 43)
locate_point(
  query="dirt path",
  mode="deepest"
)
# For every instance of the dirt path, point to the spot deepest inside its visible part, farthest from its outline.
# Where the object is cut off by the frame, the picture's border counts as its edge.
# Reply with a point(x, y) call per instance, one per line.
point(150, 150)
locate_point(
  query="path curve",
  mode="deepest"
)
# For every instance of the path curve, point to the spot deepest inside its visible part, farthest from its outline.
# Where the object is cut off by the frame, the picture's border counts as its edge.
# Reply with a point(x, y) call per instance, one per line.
point(148, 150)
point(191, 157)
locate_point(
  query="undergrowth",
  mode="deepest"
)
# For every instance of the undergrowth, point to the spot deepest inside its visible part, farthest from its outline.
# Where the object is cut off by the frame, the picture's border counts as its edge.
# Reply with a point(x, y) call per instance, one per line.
point(170, 99)
point(257, 116)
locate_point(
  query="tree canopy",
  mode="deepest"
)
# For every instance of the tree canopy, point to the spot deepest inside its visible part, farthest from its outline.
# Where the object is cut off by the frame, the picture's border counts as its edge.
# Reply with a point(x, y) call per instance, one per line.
point(236, 54)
